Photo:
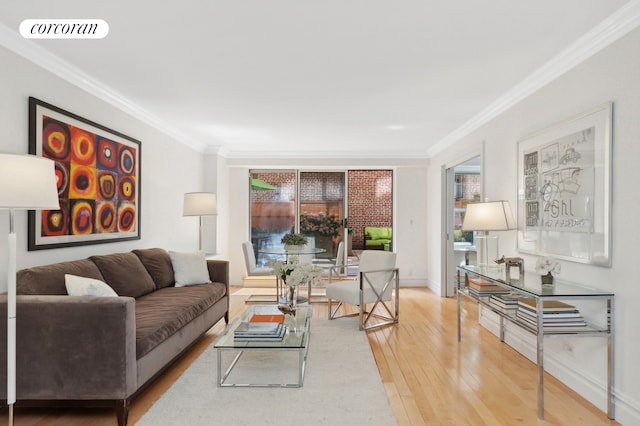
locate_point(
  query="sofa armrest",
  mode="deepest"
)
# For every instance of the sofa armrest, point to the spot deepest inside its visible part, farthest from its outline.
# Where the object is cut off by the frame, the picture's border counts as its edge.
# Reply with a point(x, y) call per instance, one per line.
point(72, 347)
point(219, 271)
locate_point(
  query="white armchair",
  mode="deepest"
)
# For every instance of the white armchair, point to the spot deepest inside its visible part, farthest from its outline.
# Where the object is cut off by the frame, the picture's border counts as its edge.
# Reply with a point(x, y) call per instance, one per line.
point(375, 284)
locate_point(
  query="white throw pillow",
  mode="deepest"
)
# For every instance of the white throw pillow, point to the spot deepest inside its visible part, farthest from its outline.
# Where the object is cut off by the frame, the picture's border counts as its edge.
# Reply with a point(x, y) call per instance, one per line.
point(83, 286)
point(189, 268)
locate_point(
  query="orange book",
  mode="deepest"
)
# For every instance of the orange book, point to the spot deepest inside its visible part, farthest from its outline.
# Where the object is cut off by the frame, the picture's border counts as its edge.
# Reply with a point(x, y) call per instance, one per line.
point(279, 318)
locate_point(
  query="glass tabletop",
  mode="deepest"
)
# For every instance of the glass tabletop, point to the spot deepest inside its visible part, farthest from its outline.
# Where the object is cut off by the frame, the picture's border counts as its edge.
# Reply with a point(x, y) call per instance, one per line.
point(530, 283)
point(282, 251)
point(296, 336)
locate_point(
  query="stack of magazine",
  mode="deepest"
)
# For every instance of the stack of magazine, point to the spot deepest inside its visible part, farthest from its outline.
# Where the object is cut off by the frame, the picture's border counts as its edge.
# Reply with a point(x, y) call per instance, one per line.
point(261, 328)
point(556, 315)
point(505, 303)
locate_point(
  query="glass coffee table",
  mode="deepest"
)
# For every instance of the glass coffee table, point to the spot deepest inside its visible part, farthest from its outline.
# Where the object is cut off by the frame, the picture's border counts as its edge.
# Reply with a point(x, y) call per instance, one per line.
point(296, 339)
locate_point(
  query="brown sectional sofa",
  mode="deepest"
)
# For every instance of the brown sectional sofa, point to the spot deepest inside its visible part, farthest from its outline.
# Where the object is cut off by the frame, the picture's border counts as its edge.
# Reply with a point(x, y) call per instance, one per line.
point(85, 350)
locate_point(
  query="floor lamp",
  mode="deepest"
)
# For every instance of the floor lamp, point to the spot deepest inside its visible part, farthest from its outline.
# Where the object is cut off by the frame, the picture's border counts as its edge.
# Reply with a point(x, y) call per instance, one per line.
point(485, 217)
point(200, 204)
point(28, 183)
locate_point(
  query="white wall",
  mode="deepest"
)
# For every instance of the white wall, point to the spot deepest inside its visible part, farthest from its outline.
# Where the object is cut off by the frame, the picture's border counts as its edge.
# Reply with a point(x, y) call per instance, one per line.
point(611, 75)
point(410, 196)
point(168, 167)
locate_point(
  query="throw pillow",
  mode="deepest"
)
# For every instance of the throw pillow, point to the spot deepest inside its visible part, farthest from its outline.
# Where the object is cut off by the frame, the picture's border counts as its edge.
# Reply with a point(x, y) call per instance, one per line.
point(82, 286)
point(125, 273)
point(158, 264)
point(189, 268)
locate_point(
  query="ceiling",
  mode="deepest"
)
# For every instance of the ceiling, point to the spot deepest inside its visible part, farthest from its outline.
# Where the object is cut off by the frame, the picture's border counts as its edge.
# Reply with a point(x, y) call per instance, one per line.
point(367, 78)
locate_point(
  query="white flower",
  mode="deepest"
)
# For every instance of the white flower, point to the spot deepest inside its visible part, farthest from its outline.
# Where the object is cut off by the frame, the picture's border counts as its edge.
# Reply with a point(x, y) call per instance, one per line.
point(546, 265)
point(295, 273)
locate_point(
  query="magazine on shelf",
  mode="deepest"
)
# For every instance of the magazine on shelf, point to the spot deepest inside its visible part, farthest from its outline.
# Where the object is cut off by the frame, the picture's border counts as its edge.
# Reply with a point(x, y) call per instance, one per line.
point(568, 327)
point(547, 306)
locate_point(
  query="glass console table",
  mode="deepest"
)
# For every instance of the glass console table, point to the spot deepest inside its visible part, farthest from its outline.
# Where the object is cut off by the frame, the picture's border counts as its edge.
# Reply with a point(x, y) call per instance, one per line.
point(529, 286)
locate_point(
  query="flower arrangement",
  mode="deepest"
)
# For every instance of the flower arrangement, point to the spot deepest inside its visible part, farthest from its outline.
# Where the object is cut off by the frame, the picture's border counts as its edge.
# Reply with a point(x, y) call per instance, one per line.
point(547, 265)
point(294, 239)
point(321, 224)
point(295, 273)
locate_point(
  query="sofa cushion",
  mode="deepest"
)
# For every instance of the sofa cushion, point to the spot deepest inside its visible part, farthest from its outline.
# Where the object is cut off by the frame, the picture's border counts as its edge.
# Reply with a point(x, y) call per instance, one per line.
point(189, 268)
point(158, 265)
point(49, 279)
point(125, 273)
point(82, 286)
point(378, 233)
point(164, 312)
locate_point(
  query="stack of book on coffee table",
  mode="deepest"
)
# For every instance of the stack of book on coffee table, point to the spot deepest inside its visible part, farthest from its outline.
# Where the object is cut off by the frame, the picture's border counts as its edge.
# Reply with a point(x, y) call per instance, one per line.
point(556, 315)
point(261, 328)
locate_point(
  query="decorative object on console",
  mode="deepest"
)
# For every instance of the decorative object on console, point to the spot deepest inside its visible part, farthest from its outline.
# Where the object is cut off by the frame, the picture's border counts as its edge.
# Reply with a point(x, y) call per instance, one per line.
point(29, 182)
point(510, 262)
point(485, 217)
point(98, 180)
point(200, 204)
point(546, 267)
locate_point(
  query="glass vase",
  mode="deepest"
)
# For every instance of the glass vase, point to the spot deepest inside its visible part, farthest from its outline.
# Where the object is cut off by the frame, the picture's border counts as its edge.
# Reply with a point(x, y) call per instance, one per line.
point(292, 297)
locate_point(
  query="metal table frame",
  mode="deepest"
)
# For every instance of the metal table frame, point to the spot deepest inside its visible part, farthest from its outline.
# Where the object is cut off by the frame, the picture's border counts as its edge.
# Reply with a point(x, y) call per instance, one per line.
point(540, 296)
point(242, 347)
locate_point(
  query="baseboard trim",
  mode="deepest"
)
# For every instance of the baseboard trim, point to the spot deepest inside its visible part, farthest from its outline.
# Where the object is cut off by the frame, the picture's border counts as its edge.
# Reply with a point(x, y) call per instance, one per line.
point(559, 362)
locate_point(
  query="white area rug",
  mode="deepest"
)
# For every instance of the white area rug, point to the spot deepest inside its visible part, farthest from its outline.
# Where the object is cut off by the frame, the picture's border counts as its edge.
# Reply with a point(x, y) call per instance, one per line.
point(342, 386)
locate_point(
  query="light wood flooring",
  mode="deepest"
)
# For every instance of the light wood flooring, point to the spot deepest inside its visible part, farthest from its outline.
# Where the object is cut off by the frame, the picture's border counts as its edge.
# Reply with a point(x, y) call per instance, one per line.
point(429, 377)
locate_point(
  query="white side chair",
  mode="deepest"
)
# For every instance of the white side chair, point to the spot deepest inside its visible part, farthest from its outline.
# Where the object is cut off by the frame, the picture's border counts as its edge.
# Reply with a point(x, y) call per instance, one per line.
point(250, 262)
point(333, 267)
point(375, 284)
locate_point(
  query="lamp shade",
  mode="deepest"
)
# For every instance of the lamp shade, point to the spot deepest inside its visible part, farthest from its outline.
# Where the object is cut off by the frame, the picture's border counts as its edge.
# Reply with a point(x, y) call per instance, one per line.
point(488, 216)
point(27, 182)
point(200, 204)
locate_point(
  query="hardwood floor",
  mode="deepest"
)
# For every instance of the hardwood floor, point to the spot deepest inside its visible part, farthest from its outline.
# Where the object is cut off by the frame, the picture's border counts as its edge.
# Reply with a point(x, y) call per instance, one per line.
point(430, 378)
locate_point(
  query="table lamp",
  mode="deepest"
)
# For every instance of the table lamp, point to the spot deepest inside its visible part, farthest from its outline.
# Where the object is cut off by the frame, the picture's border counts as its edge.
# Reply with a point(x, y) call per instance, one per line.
point(485, 217)
point(28, 183)
point(200, 204)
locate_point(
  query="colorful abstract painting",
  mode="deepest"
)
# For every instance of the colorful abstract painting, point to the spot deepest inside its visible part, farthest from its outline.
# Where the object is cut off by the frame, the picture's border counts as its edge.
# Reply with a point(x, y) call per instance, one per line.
point(98, 178)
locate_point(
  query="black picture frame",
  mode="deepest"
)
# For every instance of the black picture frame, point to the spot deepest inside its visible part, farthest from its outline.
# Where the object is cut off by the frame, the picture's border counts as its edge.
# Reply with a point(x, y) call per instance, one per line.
point(98, 173)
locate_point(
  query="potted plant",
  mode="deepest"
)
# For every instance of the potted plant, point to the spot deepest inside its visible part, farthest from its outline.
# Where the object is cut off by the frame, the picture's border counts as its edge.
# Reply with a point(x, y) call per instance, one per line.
point(293, 241)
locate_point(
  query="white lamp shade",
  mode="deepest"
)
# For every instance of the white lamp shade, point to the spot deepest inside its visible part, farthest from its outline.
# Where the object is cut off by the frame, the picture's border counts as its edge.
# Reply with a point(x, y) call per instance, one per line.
point(200, 204)
point(27, 182)
point(488, 216)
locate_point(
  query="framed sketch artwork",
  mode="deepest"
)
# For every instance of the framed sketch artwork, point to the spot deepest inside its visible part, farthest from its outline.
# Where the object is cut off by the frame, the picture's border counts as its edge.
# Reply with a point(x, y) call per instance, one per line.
point(564, 189)
point(98, 178)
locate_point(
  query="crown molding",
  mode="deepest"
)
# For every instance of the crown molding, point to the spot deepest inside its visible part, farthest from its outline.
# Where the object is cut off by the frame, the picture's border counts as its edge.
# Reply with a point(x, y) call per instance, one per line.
point(608, 31)
point(43, 58)
point(271, 155)
point(620, 23)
